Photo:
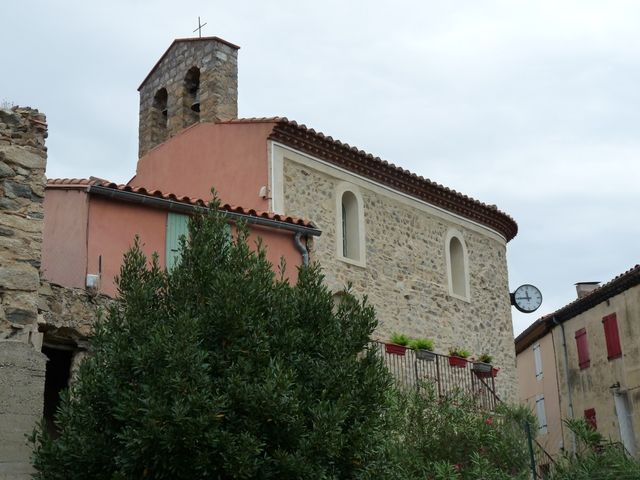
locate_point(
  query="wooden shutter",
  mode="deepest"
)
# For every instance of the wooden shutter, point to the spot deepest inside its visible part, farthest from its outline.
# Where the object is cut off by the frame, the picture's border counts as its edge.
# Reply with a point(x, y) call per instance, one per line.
point(590, 417)
point(583, 348)
point(610, 323)
point(177, 226)
point(537, 358)
point(541, 414)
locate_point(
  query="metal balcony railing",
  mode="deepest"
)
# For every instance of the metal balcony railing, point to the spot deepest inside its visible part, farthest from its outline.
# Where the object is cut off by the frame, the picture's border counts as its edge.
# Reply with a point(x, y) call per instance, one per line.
point(449, 375)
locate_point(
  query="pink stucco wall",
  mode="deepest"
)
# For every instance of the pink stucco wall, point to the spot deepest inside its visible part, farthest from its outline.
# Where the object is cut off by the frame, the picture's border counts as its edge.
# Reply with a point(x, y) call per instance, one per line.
point(64, 249)
point(112, 228)
point(81, 229)
point(231, 157)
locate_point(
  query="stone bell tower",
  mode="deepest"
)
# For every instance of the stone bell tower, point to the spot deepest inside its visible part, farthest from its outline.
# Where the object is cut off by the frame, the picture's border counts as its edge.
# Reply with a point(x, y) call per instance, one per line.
point(196, 80)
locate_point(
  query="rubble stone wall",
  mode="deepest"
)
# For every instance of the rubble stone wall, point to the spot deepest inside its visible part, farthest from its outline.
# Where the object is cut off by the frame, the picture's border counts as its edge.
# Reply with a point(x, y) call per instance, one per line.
point(23, 158)
point(405, 271)
point(217, 62)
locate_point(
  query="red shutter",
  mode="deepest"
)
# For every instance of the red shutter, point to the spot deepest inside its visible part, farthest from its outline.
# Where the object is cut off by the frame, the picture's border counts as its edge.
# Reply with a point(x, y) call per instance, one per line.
point(590, 417)
point(583, 348)
point(614, 350)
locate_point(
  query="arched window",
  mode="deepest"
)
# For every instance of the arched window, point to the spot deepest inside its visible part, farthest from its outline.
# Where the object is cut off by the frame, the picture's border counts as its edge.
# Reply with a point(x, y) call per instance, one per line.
point(350, 225)
point(191, 97)
point(456, 255)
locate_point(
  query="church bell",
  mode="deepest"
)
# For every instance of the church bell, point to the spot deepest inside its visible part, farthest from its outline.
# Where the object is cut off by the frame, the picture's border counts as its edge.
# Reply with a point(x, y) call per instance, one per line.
point(195, 106)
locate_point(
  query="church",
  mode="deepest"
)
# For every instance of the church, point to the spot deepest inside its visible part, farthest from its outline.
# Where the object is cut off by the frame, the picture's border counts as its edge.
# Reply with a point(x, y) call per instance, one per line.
point(432, 261)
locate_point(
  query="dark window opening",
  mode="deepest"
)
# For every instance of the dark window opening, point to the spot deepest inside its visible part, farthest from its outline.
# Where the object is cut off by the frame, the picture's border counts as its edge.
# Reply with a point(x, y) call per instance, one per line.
point(56, 379)
point(191, 99)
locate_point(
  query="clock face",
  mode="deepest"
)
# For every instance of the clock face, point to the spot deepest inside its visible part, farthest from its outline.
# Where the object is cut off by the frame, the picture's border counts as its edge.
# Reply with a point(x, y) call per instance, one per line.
point(527, 298)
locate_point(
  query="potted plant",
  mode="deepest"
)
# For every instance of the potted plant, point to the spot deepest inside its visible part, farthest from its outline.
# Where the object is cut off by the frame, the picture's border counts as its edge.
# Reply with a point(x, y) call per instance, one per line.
point(423, 348)
point(458, 357)
point(482, 366)
point(398, 344)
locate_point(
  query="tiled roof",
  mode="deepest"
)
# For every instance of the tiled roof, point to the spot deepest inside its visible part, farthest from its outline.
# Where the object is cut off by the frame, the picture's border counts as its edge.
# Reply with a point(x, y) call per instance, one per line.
point(541, 326)
point(82, 183)
point(305, 139)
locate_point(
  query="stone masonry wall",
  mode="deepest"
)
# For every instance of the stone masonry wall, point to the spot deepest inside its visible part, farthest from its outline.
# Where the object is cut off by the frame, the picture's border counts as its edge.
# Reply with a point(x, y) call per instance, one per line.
point(218, 65)
point(22, 368)
point(405, 277)
point(23, 158)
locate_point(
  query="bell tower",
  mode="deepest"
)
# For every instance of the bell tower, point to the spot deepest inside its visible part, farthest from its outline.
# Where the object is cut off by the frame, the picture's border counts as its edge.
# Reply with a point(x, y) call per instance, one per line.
point(196, 80)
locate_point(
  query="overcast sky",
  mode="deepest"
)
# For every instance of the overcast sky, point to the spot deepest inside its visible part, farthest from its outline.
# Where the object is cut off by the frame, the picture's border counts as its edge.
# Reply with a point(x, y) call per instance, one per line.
point(531, 105)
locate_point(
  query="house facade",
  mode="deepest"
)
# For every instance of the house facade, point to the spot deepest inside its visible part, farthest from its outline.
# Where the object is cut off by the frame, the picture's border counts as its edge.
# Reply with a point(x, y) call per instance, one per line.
point(593, 342)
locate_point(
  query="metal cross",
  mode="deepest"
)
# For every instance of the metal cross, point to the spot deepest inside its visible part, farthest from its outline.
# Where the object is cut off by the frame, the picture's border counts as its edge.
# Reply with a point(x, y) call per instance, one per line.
point(199, 29)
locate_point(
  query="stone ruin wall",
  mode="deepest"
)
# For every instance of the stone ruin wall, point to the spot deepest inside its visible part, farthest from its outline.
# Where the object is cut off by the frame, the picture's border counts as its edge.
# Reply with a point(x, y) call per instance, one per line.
point(30, 309)
point(23, 158)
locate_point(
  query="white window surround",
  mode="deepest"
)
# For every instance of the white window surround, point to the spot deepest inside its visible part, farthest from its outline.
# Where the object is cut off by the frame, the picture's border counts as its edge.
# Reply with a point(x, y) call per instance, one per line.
point(457, 268)
point(340, 190)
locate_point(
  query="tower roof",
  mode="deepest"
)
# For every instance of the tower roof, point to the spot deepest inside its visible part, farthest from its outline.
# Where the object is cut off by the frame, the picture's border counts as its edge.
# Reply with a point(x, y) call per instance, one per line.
point(184, 40)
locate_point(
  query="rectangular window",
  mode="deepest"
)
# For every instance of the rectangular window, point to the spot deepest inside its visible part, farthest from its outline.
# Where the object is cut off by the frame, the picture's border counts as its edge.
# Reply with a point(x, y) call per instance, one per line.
point(177, 226)
point(541, 414)
point(610, 323)
point(583, 348)
point(590, 417)
point(537, 357)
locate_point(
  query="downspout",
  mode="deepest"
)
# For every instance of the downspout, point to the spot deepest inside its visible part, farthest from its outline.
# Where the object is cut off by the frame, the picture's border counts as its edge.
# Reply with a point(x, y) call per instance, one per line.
point(568, 382)
point(302, 248)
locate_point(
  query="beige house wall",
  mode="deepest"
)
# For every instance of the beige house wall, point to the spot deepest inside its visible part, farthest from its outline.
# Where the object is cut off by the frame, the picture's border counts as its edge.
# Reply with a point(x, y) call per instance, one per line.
point(590, 387)
point(404, 270)
point(531, 388)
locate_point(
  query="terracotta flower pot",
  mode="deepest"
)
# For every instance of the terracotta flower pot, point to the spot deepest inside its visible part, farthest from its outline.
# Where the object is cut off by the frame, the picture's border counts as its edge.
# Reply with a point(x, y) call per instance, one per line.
point(395, 349)
point(493, 372)
point(458, 362)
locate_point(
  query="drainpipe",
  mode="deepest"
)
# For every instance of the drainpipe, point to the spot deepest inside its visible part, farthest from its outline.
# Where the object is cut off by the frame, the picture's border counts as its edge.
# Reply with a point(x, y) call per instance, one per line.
point(566, 374)
point(302, 248)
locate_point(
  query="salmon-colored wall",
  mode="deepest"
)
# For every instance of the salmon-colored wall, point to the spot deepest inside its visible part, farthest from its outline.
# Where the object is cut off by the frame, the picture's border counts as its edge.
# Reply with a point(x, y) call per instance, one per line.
point(231, 157)
point(529, 387)
point(279, 243)
point(79, 229)
point(112, 228)
point(64, 244)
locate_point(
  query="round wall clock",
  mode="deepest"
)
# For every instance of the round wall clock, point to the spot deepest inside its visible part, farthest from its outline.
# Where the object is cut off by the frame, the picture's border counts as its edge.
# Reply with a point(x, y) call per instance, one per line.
point(526, 298)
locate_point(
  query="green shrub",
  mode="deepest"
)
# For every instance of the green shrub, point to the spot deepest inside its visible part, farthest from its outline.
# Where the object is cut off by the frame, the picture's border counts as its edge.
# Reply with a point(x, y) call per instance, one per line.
point(400, 339)
point(421, 344)
point(485, 358)
point(218, 369)
point(459, 352)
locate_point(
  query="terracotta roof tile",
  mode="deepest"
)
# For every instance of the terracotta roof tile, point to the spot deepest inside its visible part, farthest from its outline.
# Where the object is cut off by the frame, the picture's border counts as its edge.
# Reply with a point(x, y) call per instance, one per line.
point(363, 163)
point(82, 183)
point(542, 325)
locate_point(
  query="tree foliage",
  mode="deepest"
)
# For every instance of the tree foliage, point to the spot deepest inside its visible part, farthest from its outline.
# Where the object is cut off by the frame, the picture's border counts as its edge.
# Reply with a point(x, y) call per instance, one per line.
point(450, 438)
point(595, 458)
point(223, 369)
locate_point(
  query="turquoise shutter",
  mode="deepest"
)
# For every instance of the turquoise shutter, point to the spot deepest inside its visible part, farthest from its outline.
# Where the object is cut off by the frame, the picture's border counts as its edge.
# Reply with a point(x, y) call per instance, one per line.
point(177, 226)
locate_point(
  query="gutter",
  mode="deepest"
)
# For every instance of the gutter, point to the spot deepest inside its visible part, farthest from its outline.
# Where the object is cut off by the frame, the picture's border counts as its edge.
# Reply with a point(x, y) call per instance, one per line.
point(174, 206)
point(568, 382)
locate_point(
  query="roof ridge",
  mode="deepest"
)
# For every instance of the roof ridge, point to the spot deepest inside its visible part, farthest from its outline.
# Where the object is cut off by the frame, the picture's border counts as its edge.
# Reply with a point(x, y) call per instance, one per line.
point(150, 192)
point(503, 222)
